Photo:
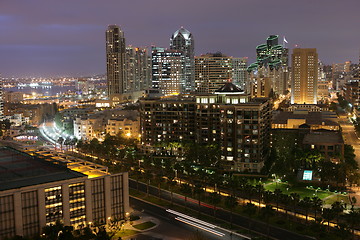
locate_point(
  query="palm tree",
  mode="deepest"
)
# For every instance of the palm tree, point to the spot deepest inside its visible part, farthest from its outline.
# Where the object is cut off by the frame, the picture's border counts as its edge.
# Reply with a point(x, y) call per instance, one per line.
point(338, 208)
point(198, 190)
point(277, 193)
point(328, 214)
point(186, 190)
point(249, 191)
point(231, 202)
point(316, 205)
point(215, 200)
point(250, 210)
point(60, 141)
point(306, 203)
point(295, 199)
point(267, 212)
point(352, 218)
point(260, 190)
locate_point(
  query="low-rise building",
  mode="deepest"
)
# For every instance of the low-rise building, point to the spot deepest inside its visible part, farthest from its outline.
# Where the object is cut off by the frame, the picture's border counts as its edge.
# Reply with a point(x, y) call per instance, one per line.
point(39, 190)
point(315, 120)
point(112, 121)
point(329, 143)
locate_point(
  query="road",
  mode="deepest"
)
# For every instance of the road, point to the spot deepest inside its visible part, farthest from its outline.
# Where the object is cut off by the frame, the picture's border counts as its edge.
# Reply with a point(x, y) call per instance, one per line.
point(259, 227)
point(349, 136)
point(170, 228)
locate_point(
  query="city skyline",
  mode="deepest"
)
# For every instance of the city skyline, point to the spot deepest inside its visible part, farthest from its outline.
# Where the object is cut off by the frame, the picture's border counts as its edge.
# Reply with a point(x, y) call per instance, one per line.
point(41, 38)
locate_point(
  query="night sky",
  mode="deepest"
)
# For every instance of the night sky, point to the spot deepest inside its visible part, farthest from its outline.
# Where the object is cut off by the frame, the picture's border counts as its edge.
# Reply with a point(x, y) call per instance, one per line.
point(67, 37)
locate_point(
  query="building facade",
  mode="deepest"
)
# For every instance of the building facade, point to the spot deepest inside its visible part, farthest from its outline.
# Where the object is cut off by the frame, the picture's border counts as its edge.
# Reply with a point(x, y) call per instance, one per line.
point(212, 71)
point(138, 69)
point(115, 61)
point(304, 76)
point(182, 40)
point(168, 71)
point(270, 73)
point(41, 193)
point(240, 125)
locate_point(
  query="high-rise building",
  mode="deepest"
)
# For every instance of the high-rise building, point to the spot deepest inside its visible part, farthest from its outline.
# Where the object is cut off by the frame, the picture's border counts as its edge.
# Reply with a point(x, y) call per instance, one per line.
point(304, 76)
point(270, 71)
point(138, 73)
point(228, 117)
point(115, 61)
point(1, 100)
point(239, 73)
point(182, 40)
point(168, 70)
point(341, 74)
point(212, 71)
point(322, 84)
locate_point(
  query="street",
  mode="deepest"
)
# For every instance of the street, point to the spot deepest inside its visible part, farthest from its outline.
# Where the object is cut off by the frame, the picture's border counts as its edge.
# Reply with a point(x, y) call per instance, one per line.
point(170, 228)
point(350, 137)
point(259, 227)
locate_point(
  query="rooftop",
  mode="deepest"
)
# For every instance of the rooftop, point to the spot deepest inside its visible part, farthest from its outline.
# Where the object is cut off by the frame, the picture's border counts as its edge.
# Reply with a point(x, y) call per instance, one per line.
point(229, 87)
point(323, 137)
point(18, 169)
point(312, 118)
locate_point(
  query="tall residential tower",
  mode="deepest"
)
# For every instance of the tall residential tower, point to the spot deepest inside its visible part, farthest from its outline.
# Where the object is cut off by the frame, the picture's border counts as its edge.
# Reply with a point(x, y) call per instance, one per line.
point(304, 76)
point(182, 40)
point(115, 61)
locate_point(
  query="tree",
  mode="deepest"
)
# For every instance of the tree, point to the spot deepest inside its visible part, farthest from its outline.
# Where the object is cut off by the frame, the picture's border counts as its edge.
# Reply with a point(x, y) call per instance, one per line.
point(306, 204)
point(260, 190)
point(352, 218)
point(316, 205)
point(337, 208)
point(267, 212)
point(215, 199)
point(277, 193)
point(231, 202)
point(328, 214)
point(186, 190)
point(60, 141)
point(250, 210)
point(295, 199)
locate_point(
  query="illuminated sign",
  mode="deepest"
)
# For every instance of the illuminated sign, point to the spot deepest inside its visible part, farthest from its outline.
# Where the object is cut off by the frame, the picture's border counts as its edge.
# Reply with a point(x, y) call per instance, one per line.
point(307, 175)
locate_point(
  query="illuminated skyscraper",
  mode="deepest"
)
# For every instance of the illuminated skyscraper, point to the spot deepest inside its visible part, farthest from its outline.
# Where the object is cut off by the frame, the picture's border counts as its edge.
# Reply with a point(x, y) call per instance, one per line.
point(212, 71)
point(304, 76)
point(182, 40)
point(239, 73)
point(138, 70)
point(1, 100)
point(167, 70)
point(270, 71)
point(115, 61)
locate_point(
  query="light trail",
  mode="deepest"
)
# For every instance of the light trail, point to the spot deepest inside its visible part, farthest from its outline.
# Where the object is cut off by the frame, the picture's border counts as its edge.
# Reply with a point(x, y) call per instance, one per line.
point(191, 218)
point(202, 227)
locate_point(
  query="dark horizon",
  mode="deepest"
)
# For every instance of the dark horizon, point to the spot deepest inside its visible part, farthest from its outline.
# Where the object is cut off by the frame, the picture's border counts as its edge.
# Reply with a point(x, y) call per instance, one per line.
point(67, 38)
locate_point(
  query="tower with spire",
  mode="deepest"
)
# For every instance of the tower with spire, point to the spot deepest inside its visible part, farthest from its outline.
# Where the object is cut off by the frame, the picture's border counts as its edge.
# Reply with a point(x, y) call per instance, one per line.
point(182, 40)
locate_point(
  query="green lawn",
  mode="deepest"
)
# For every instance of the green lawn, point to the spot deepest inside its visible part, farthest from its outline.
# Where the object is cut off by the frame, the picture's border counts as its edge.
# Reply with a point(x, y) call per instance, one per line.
point(144, 225)
point(125, 233)
point(337, 197)
point(303, 192)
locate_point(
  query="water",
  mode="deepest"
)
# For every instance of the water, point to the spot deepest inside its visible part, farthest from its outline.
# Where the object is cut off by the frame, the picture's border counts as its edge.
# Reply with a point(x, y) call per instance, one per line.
point(46, 90)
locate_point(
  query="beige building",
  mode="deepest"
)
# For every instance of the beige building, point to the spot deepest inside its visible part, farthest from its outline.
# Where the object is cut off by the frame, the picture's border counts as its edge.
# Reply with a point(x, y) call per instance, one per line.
point(35, 192)
point(304, 76)
point(212, 71)
point(109, 121)
point(126, 126)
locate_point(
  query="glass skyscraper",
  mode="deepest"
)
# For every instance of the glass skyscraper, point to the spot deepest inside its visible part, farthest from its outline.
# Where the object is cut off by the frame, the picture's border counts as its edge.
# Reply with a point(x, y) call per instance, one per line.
point(182, 40)
point(115, 61)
